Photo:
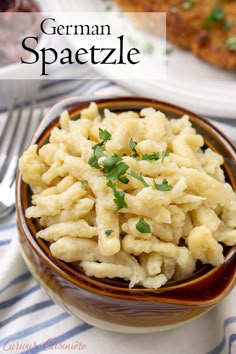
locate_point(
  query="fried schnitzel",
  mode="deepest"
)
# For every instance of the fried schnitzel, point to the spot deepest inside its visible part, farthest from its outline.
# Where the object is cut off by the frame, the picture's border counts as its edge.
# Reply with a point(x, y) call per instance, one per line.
point(206, 27)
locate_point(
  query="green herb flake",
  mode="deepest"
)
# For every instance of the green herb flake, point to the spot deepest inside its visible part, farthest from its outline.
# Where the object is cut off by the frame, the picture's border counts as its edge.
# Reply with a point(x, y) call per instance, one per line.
point(118, 171)
point(85, 183)
point(164, 154)
point(108, 232)
point(131, 40)
point(132, 145)
point(148, 48)
point(108, 8)
point(143, 227)
point(119, 196)
point(110, 162)
point(168, 50)
point(173, 10)
point(111, 184)
point(217, 15)
point(164, 187)
point(187, 4)
point(228, 25)
point(115, 168)
point(231, 43)
point(124, 179)
point(104, 135)
point(139, 177)
point(153, 157)
point(98, 151)
point(119, 199)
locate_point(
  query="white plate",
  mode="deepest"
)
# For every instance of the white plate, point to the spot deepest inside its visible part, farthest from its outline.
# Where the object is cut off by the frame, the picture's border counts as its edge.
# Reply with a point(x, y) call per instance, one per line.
point(190, 82)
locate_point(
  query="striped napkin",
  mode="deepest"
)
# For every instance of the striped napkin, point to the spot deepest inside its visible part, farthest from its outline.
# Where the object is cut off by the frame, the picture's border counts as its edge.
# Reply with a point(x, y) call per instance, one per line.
point(31, 323)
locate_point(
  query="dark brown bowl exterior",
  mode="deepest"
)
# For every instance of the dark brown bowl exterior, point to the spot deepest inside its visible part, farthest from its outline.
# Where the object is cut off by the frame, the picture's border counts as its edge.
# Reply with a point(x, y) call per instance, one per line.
point(111, 304)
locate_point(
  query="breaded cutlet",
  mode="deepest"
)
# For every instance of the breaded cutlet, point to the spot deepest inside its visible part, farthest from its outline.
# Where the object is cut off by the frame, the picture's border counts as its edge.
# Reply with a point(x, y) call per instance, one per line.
point(206, 27)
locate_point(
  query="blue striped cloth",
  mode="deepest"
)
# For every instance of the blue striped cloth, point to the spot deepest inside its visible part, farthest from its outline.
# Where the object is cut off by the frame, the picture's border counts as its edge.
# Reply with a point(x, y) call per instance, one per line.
point(31, 323)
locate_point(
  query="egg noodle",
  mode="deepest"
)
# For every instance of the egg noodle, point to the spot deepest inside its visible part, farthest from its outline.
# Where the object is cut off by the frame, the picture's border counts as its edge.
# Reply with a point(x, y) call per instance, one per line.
point(130, 195)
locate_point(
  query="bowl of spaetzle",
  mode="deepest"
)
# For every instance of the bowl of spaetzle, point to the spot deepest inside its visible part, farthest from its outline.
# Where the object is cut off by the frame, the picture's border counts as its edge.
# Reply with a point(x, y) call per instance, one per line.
point(127, 212)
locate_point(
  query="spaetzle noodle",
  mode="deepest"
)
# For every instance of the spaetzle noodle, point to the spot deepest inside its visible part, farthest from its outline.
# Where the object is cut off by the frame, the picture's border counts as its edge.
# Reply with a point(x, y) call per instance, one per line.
point(130, 195)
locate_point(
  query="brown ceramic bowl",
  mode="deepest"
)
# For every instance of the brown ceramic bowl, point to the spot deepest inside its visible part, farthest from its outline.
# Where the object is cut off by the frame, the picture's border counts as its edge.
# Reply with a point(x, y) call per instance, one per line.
point(110, 304)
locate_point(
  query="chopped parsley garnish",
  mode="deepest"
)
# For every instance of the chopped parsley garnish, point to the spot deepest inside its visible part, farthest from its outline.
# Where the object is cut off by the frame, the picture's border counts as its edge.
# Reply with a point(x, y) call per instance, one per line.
point(98, 151)
point(217, 15)
point(117, 171)
point(187, 4)
point(124, 179)
point(115, 168)
point(156, 156)
point(148, 48)
point(164, 154)
point(84, 183)
point(139, 177)
point(153, 157)
point(108, 232)
point(112, 166)
point(119, 196)
point(231, 43)
point(111, 184)
point(132, 145)
point(168, 50)
point(173, 10)
point(164, 187)
point(110, 162)
point(228, 25)
point(119, 199)
point(104, 135)
point(108, 7)
point(131, 40)
point(143, 227)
